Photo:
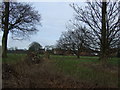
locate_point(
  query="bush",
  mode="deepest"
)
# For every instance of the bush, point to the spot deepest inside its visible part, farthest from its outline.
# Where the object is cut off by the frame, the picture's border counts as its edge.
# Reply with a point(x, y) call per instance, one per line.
point(33, 57)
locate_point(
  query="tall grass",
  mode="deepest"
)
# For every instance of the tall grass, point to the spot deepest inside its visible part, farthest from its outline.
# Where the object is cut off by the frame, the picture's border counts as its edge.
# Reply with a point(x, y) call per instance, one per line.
point(88, 69)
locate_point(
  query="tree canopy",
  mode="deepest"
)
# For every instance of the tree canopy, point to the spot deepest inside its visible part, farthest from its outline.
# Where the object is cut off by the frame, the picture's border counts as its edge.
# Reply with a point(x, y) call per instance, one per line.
point(35, 46)
point(23, 19)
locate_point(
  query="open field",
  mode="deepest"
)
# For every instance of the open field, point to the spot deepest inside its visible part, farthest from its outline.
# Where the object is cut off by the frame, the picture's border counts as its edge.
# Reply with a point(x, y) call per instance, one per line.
point(90, 70)
point(13, 58)
point(64, 72)
point(112, 61)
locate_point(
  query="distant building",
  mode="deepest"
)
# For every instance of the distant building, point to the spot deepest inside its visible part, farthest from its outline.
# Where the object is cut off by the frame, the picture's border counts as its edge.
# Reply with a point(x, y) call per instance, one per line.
point(42, 51)
point(84, 52)
point(59, 51)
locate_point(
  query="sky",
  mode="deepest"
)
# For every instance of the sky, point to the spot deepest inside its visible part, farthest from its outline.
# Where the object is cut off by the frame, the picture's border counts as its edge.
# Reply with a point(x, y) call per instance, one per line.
point(55, 16)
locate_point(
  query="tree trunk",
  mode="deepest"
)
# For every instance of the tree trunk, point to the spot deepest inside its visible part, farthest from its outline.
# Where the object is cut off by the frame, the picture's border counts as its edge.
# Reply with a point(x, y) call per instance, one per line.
point(118, 52)
point(78, 53)
point(104, 45)
point(4, 45)
point(5, 32)
point(78, 56)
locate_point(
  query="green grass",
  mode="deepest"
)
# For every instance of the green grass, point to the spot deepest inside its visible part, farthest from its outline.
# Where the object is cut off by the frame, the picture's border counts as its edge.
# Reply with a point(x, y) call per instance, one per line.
point(13, 58)
point(83, 69)
point(112, 61)
point(82, 58)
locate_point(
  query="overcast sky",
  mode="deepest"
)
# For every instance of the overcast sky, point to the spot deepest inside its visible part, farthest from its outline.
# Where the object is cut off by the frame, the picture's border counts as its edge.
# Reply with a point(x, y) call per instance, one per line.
point(55, 16)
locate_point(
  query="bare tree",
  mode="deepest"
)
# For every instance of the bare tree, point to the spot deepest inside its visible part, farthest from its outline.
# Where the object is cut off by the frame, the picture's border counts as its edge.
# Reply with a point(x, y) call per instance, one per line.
point(5, 20)
point(102, 22)
point(20, 20)
point(73, 41)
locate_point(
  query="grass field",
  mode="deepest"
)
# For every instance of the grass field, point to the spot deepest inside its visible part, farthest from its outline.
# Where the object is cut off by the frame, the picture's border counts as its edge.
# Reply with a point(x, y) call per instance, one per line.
point(112, 61)
point(89, 69)
point(14, 58)
point(86, 69)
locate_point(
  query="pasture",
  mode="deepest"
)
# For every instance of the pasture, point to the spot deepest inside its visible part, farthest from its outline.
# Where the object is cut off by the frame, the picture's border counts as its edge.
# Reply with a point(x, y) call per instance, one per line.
point(87, 70)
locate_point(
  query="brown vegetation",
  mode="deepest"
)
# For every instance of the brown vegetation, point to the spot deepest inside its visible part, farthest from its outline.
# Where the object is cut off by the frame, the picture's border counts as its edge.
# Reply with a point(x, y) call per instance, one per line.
point(42, 75)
